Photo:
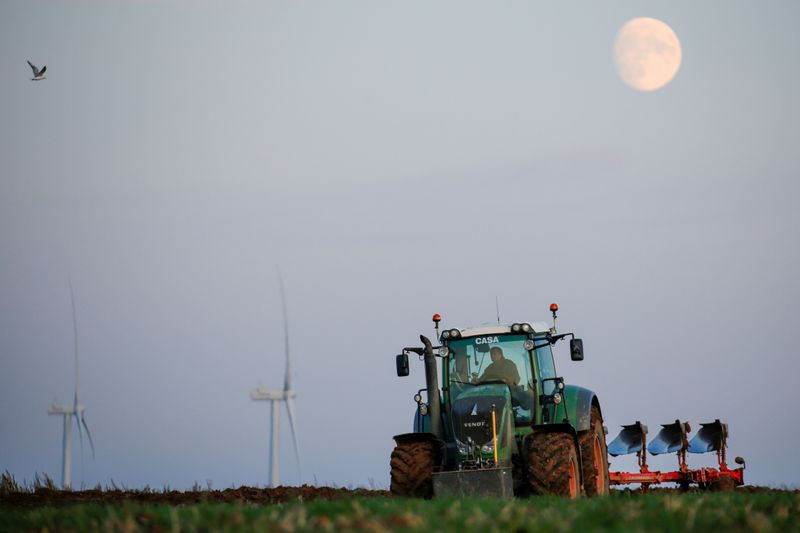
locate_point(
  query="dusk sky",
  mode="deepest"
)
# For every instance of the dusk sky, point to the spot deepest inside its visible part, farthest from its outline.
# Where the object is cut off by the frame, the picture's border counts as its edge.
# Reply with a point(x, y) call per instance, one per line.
point(395, 160)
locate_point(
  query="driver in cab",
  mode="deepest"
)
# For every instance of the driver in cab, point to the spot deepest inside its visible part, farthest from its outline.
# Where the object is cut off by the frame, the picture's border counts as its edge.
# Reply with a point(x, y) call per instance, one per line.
point(501, 369)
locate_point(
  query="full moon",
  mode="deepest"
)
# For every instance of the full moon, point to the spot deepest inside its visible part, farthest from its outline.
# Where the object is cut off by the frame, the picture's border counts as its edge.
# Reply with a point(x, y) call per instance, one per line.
point(647, 54)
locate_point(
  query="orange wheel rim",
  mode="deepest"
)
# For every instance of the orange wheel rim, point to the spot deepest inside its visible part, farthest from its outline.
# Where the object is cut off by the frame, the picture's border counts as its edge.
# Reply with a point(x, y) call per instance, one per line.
point(598, 467)
point(573, 480)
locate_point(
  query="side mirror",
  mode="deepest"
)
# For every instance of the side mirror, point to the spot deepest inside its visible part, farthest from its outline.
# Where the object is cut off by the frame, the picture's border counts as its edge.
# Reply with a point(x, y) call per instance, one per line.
point(402, 365)
point(739, 461)
point(576, 349)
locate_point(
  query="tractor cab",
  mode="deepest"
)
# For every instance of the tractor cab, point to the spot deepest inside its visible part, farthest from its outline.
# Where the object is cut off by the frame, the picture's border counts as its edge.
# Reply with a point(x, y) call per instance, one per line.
point(504, 371)
point(497, 356)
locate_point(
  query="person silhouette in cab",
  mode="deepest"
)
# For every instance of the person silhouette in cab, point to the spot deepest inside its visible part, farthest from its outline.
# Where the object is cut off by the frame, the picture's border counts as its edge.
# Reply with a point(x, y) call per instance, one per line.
point(501, 369)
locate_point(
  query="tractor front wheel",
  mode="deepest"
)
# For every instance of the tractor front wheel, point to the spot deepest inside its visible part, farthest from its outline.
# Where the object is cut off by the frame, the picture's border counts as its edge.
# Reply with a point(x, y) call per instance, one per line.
point(553, 466)
point(595, 456)
point(412, 469)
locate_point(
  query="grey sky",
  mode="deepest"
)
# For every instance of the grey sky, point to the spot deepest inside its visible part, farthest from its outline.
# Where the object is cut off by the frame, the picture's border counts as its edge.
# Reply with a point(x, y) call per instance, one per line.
point(396, 159)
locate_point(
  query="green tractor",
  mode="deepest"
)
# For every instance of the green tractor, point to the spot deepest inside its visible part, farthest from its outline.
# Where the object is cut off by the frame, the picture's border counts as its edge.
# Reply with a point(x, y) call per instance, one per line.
point(501, 423)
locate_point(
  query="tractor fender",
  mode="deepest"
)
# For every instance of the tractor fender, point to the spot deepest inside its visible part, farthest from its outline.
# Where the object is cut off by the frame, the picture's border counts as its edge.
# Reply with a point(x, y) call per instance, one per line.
point(578, 402)
point(407, 438)
point(555, 428)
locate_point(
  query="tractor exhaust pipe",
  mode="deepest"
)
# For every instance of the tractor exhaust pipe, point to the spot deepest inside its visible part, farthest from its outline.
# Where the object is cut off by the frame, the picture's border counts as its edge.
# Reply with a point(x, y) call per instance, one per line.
point(432, 382)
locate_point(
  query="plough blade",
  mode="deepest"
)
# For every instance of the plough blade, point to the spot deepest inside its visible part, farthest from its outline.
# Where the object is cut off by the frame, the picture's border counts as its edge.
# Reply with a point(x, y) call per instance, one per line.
point(711, 438)
point(671, 438)
point(630, 440)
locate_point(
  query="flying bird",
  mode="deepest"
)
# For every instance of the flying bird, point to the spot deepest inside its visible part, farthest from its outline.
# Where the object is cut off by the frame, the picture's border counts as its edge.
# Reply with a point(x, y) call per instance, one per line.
point(37, 74)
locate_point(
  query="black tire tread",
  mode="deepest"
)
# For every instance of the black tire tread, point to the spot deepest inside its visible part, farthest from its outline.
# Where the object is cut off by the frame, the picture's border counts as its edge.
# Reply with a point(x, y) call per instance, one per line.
point(586, 442)
point(412, 469)
point(548, 462)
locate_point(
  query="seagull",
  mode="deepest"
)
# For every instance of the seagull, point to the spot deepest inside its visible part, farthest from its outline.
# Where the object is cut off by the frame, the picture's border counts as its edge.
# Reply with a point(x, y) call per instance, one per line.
point(38, 75)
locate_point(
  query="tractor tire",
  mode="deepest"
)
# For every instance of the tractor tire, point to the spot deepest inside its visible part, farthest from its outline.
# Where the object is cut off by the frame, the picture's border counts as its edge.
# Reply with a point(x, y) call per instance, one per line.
point(412, 469)
point(553, 466)
point(594, 454)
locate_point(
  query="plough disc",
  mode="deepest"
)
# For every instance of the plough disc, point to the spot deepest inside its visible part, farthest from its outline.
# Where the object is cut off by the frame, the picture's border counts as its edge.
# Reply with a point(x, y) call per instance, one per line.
point(671, 438)
point(630, 440)
point(712, 437)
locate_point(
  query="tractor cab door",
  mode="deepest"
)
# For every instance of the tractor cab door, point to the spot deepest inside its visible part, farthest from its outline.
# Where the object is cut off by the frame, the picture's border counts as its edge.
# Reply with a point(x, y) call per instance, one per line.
point(545, 371)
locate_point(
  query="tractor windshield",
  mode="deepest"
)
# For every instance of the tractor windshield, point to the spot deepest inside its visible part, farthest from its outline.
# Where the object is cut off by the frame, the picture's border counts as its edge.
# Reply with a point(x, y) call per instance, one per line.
point(493, 358)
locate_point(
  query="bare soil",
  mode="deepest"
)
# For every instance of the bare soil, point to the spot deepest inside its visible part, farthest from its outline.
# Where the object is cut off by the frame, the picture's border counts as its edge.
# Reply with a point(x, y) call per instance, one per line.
point(42, 496)
point(46, 496)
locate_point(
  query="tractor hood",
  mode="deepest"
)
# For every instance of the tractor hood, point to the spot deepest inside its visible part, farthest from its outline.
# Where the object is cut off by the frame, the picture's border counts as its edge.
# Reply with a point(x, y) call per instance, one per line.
point(473, 429)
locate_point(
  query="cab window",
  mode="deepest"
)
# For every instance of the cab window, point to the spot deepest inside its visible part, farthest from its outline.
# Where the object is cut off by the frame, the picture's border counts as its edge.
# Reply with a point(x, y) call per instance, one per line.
point(547, 368)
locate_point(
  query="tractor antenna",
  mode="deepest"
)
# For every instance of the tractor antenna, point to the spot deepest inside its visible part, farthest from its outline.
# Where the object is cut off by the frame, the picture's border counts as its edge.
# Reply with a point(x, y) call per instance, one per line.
point(436, 319)
point(497, 306)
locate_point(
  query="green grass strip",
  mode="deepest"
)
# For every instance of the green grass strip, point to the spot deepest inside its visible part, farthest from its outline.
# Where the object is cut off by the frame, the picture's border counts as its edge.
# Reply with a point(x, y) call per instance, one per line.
point(668, 512)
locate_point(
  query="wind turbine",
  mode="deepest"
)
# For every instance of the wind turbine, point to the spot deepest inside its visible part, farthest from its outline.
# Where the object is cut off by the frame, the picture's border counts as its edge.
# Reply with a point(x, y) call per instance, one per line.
point(68, 411)
point(275, 397)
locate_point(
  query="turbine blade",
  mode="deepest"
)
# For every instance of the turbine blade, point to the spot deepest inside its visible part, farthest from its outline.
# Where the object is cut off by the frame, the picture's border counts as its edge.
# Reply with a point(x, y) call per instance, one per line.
point(75, 336)
point(80, 433)
point(287, 380)
point(88, 434)
point(290, 411)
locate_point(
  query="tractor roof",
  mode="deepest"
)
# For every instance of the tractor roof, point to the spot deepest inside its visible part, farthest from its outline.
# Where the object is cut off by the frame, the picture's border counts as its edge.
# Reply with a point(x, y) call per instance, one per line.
point(499, 329)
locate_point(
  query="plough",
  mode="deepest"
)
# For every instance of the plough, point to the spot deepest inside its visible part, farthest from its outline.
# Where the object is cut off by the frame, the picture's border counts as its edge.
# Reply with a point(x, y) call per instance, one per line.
point(673, 438)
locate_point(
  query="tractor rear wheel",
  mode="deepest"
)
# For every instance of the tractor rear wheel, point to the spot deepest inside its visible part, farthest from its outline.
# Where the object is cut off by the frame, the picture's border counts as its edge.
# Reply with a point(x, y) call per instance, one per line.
point(553, 465)
point(595, 456)
point(412, 469)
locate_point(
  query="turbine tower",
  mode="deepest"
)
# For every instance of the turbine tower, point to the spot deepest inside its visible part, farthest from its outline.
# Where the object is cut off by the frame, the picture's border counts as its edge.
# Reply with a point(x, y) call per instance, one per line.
point(68, 411)
point(275, 397)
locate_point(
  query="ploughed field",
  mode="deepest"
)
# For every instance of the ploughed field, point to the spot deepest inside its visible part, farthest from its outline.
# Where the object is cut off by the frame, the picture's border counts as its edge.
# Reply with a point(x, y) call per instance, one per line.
point(308, 508)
